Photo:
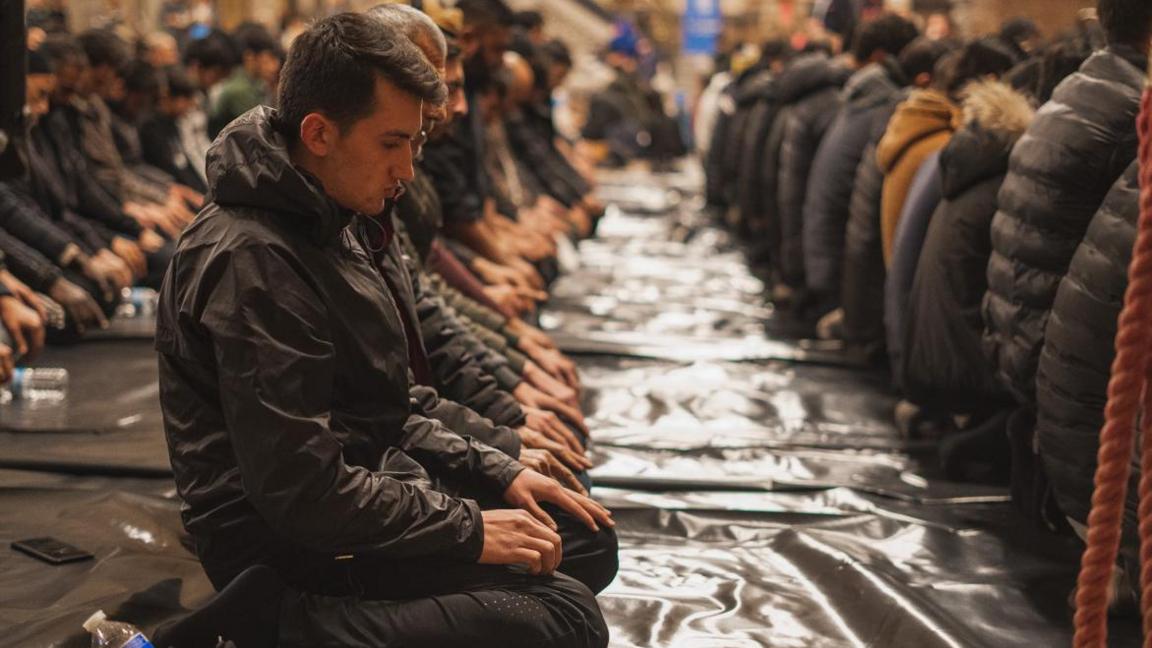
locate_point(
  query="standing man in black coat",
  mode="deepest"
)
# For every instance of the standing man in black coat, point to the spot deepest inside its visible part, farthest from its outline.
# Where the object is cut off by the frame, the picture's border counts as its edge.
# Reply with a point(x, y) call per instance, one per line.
point(285, 375)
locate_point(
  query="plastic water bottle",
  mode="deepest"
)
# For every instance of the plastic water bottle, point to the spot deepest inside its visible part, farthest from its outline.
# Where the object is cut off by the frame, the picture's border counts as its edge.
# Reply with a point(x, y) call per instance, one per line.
point(114, 634)
point(137, 302)
point(39, 384)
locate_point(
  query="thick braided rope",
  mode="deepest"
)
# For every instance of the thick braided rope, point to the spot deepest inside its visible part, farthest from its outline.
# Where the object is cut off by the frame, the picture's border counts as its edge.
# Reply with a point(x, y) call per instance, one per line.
point(1125, 391)
point(1144, 512)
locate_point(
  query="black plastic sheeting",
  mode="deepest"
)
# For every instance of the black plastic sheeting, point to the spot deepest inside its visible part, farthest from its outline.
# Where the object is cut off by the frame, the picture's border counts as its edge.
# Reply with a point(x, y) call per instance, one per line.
point(759, 503)
point(110, 422)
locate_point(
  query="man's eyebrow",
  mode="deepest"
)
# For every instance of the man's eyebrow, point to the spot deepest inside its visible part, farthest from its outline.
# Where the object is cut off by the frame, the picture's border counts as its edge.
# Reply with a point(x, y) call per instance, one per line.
point(400, 133)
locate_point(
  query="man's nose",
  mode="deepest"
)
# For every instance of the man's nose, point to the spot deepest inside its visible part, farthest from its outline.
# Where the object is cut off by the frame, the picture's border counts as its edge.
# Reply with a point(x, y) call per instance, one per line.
point(405, 171)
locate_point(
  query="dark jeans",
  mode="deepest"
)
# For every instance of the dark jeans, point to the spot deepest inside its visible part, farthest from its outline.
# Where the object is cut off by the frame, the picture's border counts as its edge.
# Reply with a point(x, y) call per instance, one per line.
point(373, 600)
point(378, 601)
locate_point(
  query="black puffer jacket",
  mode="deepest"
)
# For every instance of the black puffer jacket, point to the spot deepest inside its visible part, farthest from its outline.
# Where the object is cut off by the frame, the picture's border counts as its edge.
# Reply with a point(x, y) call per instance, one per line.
point(944, 367)
point(1058, 174)
point(751, 90)
point(756, 188)
point(867, 98)
point(716, 184)
point(1079, 346)
point(809, 95)
point(284, 383)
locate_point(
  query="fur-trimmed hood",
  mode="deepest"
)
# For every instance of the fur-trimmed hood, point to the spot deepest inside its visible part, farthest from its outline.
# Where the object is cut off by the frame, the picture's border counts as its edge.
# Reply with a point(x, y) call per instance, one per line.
point(997, 106)
point(994, 116)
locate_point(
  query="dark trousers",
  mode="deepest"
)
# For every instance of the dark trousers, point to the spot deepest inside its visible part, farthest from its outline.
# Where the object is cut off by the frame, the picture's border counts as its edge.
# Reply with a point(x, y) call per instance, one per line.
point(415, 603)
point(374, 600)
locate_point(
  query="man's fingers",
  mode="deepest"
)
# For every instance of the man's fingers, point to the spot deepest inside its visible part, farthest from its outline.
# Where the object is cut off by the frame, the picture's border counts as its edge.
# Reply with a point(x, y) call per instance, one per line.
point(566, 476)
point(570, 413)
point(575, 507)
point(550, 554)
point(17, 334)
point(598, 511)
point(567, 436)
point(531, 558)
point(37, 335)
point(534, 509)
point(572, 458)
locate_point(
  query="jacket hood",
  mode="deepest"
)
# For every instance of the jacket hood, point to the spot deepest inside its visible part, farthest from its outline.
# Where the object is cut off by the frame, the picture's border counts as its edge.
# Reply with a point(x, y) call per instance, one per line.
point(248, 167)
point(874, 84)
point(925, 113)
point(808, 74)
point(760, 84)
point(995, 115)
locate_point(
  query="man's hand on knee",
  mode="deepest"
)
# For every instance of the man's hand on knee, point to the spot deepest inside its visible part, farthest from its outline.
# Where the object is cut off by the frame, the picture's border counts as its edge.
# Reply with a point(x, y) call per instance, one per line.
point(513, 537)
point(530, 488)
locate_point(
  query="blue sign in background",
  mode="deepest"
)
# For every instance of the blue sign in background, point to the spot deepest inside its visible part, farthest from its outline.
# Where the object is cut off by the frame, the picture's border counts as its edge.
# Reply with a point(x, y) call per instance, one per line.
point(700, 26)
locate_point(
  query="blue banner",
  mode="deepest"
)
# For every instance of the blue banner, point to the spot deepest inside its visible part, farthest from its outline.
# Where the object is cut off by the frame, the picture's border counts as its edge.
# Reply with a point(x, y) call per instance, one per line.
point(701, 25)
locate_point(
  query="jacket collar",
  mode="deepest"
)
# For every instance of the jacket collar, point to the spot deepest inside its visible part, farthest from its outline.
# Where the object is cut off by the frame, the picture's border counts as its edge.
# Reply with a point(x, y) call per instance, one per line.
point(249, 166)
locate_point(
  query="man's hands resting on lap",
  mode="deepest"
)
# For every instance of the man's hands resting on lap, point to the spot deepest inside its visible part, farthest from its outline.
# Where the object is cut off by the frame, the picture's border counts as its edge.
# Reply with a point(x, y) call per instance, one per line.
point(528, 536)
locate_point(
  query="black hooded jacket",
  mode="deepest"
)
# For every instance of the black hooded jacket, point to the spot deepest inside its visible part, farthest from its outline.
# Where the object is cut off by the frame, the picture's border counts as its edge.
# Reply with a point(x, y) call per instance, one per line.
point(293, 434)
point(809, 95)
point(944, 366)
point(1079, 346)
point(1058, 174)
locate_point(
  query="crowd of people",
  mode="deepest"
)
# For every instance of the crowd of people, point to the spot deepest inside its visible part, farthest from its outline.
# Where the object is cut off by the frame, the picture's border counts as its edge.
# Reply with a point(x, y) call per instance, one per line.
point(959, 212)
point(349, 235)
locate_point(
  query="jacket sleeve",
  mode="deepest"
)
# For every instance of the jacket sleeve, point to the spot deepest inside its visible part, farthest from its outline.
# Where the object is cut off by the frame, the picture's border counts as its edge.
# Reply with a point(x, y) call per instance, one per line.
point(270, 329)
point(24, 219)
point(452, 352)
point(467, 422)
point(27, 264)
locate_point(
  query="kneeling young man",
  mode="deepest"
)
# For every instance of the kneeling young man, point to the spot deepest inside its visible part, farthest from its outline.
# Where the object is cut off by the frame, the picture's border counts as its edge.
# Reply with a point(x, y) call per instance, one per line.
point(285, 387)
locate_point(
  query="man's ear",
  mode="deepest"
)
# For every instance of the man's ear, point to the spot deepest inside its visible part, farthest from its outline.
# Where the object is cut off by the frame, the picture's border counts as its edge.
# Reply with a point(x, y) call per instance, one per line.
point(317, 134)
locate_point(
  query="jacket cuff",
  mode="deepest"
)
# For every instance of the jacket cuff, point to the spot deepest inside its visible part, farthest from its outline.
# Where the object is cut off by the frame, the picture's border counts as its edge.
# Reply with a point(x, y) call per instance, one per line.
point(507, 378)
point(473, 545)
point(503, 476)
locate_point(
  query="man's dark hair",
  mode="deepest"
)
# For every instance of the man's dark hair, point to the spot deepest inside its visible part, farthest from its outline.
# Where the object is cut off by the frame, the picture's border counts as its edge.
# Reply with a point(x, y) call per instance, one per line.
point(921, 56)
point(557, 52)
point(486, 13)
point(62, 48)
point(1039, 76)
point(213, 51)
point(1019, 29)
point(333, 66)
point(817, 47)
point(255, 38)
point(979, 58)
point(1127, 22)
point(179, 85)
point(528, 20)
point(104, 48)
point(889, 33)
point(140, 77)
point(773, 50)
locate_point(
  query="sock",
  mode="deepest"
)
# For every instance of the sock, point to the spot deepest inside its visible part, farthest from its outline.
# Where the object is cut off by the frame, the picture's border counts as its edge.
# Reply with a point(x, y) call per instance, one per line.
point(246, 612)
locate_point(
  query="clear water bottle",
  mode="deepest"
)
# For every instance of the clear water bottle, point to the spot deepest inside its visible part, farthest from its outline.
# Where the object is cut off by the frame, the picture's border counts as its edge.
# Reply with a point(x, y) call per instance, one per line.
point(114, 634)
point(137, 302)
point(39, 384)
